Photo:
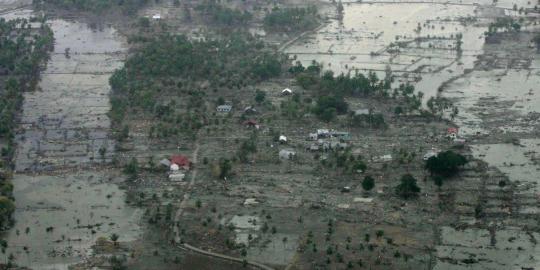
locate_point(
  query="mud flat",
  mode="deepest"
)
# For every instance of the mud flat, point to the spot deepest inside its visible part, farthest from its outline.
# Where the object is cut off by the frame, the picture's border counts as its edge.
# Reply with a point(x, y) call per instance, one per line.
point(64, 201)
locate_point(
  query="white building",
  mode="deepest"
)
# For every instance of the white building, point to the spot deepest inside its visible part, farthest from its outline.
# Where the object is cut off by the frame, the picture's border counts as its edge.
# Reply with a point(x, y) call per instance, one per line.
point(224, 108)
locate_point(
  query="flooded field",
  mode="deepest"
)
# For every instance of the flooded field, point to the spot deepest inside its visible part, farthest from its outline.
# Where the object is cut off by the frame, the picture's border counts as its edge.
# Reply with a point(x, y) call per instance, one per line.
point(60, 217)
point(64, 204)
point(494, 86)
point(417, 41)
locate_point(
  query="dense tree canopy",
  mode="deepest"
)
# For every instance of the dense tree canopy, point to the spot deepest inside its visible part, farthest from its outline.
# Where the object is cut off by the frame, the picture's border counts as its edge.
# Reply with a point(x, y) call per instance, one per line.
point(407, 187)
point(174, 66)
point(445, 163)
point(291, 19)
point(221, 15)
point(129, 6)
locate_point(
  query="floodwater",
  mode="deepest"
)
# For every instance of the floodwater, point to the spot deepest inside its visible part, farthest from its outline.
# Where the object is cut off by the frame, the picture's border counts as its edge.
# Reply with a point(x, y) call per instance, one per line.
point(77, 208)
point(494, 87)
point(63, 203)
point(428, 32)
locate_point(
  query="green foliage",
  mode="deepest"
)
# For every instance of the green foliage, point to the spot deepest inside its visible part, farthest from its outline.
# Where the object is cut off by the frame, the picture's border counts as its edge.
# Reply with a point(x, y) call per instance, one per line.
point(445, 163)
point(368, 183)
point(407, 187)
point(437, 105)
point(291, 19)
point(7, 207)
point(247, 147)
point(223, 16)
point(536, 40)
point(329, 106)
point(225, 167)
point(331, 90)
point(374, 120)
point(128, 6)
point(507, 24)
point(23, 51)
point(114, 237)
point(260, 96)
point(132, 168)
point(171, 65)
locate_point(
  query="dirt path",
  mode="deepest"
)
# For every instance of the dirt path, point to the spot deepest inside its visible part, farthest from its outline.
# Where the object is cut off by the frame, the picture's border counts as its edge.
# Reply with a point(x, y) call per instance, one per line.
point(225, 257)
point(186, 197)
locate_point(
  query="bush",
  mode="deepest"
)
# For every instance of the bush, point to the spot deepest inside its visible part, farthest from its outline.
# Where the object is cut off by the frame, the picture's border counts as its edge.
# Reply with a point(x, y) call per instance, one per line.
point(368, 183)
point(408, 187)
point(445, 163)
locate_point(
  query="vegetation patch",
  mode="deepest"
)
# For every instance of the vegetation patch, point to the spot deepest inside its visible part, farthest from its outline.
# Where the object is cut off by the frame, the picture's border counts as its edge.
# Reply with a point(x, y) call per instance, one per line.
point(292, 19)
point(23, 51)
point(98, 6)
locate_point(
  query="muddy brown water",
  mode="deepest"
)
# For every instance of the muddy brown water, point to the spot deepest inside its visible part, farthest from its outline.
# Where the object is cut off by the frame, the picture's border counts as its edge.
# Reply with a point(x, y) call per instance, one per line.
point(63, 204)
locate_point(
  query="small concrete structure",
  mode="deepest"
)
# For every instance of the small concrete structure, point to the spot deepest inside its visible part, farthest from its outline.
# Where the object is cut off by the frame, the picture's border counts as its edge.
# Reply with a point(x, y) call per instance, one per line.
point(313, 147)
point(286, 91)
point(165, 162)
point(177, 176)
point(174, 167)
point(250, 201)
point(386, 158)
point(250, 110)
point(430, 153)
point(156, 16)
point(363, 200)
point(313, 136)
point(282, 139)
point(341, 135)
point(361, 112)
point(224, 108)
point(323, 133)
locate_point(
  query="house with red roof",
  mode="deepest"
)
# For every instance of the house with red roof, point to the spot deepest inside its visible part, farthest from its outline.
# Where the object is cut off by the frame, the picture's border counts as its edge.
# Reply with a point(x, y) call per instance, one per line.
point(182, 161)
point(251, 123)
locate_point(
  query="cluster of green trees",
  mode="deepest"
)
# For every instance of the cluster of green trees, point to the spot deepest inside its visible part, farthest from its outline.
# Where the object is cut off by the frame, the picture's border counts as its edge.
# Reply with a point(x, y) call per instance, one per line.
point(332, 90)
point(174, 66)
point(23, 51)
point(536, 40)
point(291, 19)
point(247, 147)
point(445, 164)
point(346, 161)
point(127, 6)
point(373, 120)
point(507, 24)
point(407, 187)
point(221, 15)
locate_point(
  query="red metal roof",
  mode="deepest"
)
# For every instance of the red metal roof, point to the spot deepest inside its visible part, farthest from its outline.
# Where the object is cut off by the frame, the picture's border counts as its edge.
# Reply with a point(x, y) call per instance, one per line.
point(452, 130)
point(181, 161)
point(250, 122)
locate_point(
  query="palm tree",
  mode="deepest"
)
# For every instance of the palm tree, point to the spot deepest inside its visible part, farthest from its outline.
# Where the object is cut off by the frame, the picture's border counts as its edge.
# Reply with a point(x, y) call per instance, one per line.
point(114, 237)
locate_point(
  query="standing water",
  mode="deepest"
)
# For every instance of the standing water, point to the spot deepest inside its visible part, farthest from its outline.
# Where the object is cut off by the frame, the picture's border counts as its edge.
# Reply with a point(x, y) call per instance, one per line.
point(63, 205)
